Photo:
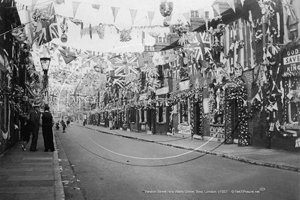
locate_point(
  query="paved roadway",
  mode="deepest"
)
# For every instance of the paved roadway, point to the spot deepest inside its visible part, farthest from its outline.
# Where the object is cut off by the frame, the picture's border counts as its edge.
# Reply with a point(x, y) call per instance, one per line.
point(101, 166)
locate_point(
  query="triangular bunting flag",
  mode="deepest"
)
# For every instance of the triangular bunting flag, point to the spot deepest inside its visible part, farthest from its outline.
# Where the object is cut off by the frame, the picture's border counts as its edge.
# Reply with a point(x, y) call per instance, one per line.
point(187, 16)
point(216, 7)
point(115, 11)
point(133, 14)
point(275, 107)
point(231, 4)
point(242, 2)
point(75, 7)
point(150, 16)
point(33, 4)
point(67, 55)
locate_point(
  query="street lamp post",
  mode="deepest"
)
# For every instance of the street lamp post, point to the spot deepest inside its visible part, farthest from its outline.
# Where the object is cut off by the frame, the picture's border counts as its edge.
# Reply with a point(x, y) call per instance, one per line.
point(45, 63)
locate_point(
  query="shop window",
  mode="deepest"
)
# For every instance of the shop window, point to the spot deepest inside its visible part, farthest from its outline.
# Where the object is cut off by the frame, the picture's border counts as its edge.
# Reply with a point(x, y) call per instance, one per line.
point(216, 102)
point(184, 112)
point(293, 106)
point(161, 114)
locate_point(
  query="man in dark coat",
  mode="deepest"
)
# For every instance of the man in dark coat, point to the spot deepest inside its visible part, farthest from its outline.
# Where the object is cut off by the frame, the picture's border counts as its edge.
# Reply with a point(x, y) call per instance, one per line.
point(34, 120)
point(47, 123)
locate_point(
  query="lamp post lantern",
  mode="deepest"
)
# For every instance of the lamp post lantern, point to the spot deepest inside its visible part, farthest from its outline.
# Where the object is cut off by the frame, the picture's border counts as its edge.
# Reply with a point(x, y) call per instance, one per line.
point(45, 63)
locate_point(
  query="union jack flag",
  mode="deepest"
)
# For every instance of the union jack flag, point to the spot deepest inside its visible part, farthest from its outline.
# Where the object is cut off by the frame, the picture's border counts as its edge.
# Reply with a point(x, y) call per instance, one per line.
point(46, 31)
point(123, 65)
point(200, 45)
point(289, 9)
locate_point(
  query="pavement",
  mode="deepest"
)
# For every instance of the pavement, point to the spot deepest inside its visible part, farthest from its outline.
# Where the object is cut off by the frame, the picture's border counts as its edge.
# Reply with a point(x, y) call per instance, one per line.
point(37, 175)
point(30, 175)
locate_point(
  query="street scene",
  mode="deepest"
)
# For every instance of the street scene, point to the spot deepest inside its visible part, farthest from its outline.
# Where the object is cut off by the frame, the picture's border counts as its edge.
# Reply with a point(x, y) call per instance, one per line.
point(149, 99)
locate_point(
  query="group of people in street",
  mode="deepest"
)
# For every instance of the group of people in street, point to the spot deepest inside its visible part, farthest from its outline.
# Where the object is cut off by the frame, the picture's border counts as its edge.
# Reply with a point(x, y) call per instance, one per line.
point(31, 123)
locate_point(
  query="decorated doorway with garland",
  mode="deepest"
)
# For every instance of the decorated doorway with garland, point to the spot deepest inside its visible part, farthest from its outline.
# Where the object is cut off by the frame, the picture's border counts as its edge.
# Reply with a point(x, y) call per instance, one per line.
point(236, 113)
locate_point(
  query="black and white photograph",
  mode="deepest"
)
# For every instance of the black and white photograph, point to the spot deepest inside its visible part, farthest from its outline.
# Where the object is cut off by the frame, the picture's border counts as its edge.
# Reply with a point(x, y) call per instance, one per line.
point(149, 99)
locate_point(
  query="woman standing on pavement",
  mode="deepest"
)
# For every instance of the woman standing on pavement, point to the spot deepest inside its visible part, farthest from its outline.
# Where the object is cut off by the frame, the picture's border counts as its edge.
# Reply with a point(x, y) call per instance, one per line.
point(47, 123)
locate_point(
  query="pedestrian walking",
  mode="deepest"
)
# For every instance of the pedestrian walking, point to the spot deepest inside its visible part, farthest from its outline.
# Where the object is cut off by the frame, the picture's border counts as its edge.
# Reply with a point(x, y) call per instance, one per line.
point(47, 123)
point(34, 120)
point(63, 124)
point(25, 130)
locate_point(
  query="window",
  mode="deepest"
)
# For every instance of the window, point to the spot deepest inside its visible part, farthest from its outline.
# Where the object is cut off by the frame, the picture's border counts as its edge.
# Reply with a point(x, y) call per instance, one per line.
point(194, 13)
point(166, 77)
point(143, 115)
point(159, 39)
point(161, 114)
point(292, 106)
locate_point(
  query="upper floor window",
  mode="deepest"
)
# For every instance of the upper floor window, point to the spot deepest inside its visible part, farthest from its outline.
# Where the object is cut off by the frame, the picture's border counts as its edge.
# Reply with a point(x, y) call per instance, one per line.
point(194, 13)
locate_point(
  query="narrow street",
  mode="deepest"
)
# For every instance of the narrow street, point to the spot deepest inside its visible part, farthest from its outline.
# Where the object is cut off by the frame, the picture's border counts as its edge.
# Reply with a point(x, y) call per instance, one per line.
point(100, 166)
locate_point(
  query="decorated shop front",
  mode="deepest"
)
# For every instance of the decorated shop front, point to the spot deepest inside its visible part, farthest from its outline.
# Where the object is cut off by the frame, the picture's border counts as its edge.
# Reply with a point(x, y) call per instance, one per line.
point(162, 117)
point(187, 109)
point(291, 86)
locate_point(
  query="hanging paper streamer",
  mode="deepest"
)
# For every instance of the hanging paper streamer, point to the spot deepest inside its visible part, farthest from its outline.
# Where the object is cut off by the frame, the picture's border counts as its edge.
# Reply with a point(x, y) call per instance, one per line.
point(100, 30)
point(150, 16)
point(115, 11)
point(75, 7)
point(133, 15)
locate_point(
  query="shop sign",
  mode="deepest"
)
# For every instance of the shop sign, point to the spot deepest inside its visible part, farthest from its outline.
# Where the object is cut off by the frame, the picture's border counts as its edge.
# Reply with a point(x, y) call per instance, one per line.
point(161, 91)
point(291, 60)
point(184, 85)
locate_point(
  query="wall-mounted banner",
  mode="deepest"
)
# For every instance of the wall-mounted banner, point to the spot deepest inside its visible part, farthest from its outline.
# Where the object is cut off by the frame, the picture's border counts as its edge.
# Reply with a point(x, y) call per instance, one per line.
point(291, 61)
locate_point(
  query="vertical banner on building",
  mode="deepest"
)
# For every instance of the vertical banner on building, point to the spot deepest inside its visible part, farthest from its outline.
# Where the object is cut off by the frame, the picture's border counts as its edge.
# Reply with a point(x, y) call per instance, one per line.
point(291, 61)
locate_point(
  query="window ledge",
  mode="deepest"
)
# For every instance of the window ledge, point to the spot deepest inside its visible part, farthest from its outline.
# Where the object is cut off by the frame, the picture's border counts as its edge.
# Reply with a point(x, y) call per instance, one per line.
point(161, 123)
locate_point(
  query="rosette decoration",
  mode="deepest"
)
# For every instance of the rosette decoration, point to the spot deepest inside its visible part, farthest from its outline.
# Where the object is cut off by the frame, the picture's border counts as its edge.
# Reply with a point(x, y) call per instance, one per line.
point(19, 34)
point(166, 8)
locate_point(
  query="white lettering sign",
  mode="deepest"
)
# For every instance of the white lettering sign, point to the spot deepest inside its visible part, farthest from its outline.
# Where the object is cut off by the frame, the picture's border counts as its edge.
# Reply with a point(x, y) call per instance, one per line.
point(293, 68)
point(161, 91)
point(291, 59)
point(184, 85)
